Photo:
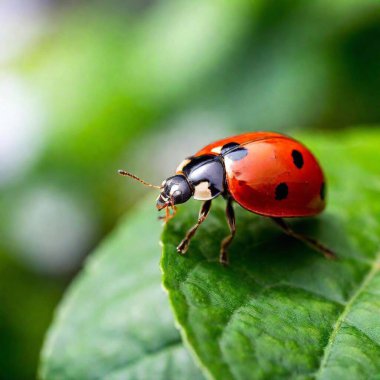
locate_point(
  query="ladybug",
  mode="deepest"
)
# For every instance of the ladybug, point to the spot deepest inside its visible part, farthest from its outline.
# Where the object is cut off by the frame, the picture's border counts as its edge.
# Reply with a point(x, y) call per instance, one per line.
point(266, 173)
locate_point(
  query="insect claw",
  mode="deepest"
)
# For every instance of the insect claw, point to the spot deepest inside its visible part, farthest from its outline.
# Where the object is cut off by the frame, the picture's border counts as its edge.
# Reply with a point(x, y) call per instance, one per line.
point(182, 248)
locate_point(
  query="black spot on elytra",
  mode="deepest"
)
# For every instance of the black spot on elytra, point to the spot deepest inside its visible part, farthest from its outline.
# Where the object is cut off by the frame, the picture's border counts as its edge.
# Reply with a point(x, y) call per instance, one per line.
point(322, 192)
point(228, 147)
point(297, 158)
point(281, 191)
point(234, 151)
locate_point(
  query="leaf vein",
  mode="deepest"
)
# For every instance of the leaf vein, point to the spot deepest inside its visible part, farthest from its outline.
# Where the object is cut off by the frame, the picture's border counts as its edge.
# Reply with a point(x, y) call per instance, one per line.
point(327, 350)
point(364, 333)
point(169, 345)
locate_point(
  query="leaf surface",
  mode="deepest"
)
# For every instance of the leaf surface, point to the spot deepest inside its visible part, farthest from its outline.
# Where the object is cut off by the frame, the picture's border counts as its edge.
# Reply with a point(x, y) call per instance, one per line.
point(115, 321)
point(280, 310)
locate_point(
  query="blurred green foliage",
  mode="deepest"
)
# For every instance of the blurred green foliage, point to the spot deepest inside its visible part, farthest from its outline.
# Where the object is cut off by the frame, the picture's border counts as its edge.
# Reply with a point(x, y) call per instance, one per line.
point(26, 301)
point(113, 79)
point(127, 331)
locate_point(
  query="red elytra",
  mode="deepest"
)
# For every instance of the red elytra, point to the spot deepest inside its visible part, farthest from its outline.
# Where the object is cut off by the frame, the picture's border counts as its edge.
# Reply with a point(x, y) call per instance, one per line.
point(267, 173)
point(273, 159)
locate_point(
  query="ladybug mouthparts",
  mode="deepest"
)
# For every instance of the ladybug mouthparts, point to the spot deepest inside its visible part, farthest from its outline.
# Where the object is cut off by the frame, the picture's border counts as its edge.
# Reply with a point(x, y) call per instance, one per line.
point(162, 202)
point(175, 190)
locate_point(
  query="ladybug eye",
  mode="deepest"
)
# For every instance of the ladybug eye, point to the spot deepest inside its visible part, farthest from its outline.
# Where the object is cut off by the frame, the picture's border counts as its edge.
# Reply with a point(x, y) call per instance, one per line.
point(177, 195)
point(177, 188)
point(174, 191)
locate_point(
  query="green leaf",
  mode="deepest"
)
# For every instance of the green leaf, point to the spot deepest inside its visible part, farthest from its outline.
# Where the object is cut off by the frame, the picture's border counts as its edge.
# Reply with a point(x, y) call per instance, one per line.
point(115, 321)
point(280, 310)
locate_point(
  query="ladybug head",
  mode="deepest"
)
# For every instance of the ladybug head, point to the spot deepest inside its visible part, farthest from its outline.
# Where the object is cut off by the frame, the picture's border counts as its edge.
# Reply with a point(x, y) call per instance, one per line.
point(174, 190)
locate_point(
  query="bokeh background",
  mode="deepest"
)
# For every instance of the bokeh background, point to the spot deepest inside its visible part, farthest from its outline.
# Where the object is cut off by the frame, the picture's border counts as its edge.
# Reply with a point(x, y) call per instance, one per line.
point(87, 88)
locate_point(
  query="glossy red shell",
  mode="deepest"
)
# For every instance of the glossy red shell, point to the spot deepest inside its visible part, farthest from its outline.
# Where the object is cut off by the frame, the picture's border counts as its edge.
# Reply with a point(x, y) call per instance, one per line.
point(253, 181)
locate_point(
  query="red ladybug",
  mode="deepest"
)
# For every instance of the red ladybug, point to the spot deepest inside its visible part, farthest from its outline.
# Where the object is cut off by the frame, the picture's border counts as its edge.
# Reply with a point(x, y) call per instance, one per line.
point(267, 173)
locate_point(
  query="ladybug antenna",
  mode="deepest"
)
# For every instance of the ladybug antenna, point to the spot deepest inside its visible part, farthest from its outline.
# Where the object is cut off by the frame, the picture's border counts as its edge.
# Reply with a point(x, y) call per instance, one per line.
point(126, 174)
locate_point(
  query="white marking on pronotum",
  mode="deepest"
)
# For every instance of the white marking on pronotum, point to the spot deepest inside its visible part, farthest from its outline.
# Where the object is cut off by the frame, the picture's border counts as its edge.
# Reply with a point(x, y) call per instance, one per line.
point(183, 164)
point(202, 191)
point(217, 149)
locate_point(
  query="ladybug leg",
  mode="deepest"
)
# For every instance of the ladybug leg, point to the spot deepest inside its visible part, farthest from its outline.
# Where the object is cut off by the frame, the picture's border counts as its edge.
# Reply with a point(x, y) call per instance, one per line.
point(184, 245)
point(223, 258)
point(174, 211)
point(167, 215)
point(315, 244)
